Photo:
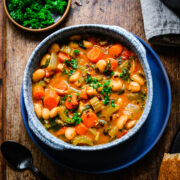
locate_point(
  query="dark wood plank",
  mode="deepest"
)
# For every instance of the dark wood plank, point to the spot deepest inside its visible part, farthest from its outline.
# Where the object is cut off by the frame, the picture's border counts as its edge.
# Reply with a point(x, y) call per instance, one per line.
point(19, 46)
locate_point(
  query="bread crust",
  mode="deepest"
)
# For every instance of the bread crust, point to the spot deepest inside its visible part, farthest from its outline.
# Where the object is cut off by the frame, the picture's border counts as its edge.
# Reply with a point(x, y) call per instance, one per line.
point(170, 167)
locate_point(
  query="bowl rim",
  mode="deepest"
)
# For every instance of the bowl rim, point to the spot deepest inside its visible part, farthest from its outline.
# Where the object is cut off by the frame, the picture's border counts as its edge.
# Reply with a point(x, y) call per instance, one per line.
point(61, 145)
point(41, 29)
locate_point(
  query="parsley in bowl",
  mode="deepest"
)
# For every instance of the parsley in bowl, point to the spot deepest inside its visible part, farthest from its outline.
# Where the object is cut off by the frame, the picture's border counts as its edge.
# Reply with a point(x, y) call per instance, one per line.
point(36, 14)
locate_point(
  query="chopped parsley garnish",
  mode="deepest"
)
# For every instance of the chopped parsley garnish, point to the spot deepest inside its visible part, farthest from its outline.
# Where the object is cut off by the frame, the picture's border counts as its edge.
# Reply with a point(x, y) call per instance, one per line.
point(69, 100)
point(76, 52)
point(76, 118)
point(142, 96)
point(125, 75)
point(120, 60)
point(73, 63)
point(88, 79)
point(106, 91)
point(112, 103)
point(70, 72)
point(92, 81)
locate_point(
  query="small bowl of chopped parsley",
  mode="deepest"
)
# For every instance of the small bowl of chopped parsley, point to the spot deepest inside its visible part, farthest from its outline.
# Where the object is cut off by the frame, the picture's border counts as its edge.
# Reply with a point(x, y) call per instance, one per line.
point(37, 15)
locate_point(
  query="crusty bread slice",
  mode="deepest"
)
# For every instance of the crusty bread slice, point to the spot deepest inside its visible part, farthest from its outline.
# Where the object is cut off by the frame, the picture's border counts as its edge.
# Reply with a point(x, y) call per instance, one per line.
point(170, 167)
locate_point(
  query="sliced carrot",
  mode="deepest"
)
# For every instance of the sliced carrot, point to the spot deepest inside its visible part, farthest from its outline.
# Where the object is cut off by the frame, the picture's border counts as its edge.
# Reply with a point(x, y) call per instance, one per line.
point(72, 101)
point(115, 50)
point(89, 118)
point(51, 99)
point(81, 129)
point(62, 57)
point(61, 131)
point(95, 54)
point(38, 92)
point(125, 54)
point(113, 62)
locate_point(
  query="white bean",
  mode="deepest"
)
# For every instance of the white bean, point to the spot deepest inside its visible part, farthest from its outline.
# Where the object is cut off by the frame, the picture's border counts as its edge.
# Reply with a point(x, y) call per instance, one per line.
point(45, 113)
point(91, 91)
point(116, 85)
point(87, 44)
point(134, 87)
point(75, 77)
point(101, 65)
point(60, 67)
point(44, 59)
point(70, 133)
point(122, 121)
point(130, 124)
point(138, 79)
point(54, 112)
point(54, 48)
point(38, 110)
point(38, 75)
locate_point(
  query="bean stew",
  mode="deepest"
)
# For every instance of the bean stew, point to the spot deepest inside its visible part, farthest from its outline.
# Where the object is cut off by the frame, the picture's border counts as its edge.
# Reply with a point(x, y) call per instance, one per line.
point(89, 90)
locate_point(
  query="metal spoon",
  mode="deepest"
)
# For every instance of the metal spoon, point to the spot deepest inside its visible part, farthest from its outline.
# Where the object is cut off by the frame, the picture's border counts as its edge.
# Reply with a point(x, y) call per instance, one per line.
point(19, 157)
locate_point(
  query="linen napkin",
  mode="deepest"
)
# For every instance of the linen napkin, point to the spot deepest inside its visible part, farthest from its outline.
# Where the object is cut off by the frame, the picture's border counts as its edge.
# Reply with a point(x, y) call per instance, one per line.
point(161, 24)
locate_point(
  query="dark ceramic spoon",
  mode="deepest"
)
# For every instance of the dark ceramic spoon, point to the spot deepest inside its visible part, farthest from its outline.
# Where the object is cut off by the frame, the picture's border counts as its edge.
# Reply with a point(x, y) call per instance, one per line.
point(19, 157)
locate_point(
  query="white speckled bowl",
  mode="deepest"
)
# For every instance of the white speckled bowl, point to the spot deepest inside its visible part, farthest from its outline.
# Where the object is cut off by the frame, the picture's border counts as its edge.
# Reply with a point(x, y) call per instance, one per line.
point(116, 33)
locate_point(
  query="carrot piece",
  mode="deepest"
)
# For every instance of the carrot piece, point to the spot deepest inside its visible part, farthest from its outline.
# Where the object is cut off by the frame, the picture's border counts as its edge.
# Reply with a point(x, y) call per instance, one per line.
point(51, 99)
point(62, 85)
point(89, 118)
point(113, 62)
point(38, 92)
point(61, 131)
point(62, 57)
point(84, 94)
point(81, 129)
point(125, 54)
point(94, 54)
point(115, 50)
point(72, 101)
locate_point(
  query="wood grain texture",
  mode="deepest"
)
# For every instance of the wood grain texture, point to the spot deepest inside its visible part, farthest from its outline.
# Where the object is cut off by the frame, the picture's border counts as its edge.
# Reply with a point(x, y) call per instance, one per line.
point(19, 46)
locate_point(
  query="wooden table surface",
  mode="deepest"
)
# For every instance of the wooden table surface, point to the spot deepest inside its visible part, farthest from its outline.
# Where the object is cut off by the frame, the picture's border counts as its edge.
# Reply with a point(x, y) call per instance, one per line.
point(15, 48)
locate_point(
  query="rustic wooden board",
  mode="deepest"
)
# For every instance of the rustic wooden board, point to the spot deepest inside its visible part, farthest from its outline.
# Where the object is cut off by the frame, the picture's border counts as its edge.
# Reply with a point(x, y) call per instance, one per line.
point(18, 46)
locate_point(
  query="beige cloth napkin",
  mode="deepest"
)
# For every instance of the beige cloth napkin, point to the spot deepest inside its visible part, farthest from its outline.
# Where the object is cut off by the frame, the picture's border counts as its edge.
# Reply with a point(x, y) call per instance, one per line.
point(161, 24)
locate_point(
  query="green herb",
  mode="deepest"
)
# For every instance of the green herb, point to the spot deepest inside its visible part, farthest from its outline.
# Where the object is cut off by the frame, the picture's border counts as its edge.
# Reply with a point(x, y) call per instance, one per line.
point(142, 96)
point(66, 112)
point(106, 91)
point(69, 100)
point(76, 118)
point(108, 71)
point(35, 13)
point(88, 79)
point(70, 96)
point(120, 60)
point(112, 103)
point(76, 52)
point(65, 97)
point(53, 125)
point(125, 75)
point(72, 63)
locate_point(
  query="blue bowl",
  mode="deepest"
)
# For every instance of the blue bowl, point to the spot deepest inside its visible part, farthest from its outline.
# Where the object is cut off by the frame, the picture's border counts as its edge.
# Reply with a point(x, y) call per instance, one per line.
point(113, 32)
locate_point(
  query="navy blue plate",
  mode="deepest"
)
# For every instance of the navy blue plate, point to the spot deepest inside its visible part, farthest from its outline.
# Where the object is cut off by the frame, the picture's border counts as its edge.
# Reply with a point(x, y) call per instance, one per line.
point(129, 152)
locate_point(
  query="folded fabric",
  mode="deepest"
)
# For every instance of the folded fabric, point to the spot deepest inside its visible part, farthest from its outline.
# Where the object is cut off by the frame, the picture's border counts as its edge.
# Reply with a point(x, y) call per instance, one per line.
point(161, 24)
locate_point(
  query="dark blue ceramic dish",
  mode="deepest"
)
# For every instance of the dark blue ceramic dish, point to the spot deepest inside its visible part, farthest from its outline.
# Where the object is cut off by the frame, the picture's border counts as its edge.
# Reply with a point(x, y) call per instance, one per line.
point(130, 151)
